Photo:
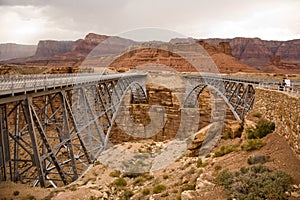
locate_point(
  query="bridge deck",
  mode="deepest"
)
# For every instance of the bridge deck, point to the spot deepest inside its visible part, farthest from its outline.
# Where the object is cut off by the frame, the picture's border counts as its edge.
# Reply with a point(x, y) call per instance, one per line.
point(11, 85)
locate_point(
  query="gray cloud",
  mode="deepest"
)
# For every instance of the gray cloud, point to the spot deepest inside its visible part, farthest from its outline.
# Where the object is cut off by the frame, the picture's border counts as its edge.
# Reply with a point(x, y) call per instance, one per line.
point(58, 19)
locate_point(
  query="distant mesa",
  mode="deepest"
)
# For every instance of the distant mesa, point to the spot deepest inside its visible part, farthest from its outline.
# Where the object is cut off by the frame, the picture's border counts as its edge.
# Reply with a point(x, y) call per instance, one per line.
point(12, 51)
point(230, 55)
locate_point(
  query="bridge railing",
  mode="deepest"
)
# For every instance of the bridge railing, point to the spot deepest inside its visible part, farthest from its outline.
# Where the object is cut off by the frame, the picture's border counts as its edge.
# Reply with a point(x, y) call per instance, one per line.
point(25, 83)
point(273, 84)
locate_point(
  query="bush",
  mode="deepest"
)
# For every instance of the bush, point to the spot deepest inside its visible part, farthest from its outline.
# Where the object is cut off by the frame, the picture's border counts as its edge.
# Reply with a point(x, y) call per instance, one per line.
point(263, 128)
point(255, 182)
point(126, 194)
point(16, 193)
point(120, 182)
point(188, 187)
point(115, 173)
point(97, 162)
point(139, 181)
point(218, 167)
point(146, 191)
point(224, 150)
point(165, 176)
point(159, 188)
point(200, 163)
point(252, 144)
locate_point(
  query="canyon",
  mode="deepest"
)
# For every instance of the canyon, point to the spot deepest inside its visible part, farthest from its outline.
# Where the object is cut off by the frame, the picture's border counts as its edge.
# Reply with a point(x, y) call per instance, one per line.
point(230, 55)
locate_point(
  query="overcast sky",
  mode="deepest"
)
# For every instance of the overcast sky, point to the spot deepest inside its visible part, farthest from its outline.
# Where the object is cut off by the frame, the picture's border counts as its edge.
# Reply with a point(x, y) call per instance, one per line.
point(27, 22)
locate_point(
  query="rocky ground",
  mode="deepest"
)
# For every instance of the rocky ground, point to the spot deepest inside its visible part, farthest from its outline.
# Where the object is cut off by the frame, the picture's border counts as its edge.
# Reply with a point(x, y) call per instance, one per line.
point(185, 178)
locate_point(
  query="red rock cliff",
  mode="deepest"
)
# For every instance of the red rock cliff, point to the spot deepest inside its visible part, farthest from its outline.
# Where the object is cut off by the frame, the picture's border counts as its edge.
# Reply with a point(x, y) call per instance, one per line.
point(258, 53)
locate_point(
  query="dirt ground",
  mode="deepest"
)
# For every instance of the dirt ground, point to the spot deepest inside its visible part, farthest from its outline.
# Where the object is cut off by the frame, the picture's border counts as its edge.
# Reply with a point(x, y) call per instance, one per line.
point(97, 180)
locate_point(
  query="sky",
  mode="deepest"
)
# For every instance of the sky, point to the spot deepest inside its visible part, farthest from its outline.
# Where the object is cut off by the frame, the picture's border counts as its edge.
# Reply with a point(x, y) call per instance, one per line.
point(28, 21)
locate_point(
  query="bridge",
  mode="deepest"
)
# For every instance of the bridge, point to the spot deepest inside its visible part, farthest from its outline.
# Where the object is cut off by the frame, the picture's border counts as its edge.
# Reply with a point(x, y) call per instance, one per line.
point(52, 127)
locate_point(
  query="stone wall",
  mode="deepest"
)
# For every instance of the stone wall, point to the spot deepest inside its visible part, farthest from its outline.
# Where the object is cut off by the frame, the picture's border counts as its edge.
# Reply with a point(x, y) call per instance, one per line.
point(284, 110)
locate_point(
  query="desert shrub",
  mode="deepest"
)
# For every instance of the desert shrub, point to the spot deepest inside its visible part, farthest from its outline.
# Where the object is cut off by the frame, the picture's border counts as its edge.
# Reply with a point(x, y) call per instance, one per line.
point(120, 182)
point(263, 128)
point(146, 191)
point(16, 193)
point(126, 194)
point(165, 176)
point(115, 173)
point(218, 167)
point(255, 182)
point(97, 162)
point(200, 163)
point(139, 181)
point(252, 144)
point(225, 150)
point(188, 187)
point(159, 188)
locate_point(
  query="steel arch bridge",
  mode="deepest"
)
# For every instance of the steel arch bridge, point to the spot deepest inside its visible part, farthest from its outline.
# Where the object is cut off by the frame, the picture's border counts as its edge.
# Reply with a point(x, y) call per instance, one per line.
point(53, 126)
point(237, 93)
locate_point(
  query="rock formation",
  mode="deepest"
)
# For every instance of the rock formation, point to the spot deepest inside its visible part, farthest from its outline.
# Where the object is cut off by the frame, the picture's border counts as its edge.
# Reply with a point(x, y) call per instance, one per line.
point(230, 55)
point(258, 53)
point(11, 51)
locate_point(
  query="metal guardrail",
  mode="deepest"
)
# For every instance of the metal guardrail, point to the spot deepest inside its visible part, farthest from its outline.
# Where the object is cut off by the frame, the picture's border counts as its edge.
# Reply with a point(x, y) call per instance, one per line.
point(26, 83)
point(273, 84)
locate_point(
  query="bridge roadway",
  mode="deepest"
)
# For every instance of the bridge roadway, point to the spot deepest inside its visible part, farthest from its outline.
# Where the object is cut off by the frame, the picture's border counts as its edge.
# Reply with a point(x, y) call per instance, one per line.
point(53, 126)
point(27, 83)
point(11, 85)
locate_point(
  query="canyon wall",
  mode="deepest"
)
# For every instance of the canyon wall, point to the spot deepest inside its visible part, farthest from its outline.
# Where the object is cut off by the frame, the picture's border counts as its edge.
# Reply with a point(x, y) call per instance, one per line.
point(258, 53)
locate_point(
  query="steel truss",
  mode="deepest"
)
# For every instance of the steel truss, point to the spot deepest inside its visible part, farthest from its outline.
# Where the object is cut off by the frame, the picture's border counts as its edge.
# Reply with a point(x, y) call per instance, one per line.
point(48, 137)
point(238, 94)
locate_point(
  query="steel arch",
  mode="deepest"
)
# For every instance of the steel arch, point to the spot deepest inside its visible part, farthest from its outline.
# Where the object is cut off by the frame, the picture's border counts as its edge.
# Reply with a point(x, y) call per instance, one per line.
point(239, 96)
